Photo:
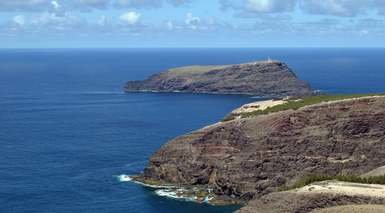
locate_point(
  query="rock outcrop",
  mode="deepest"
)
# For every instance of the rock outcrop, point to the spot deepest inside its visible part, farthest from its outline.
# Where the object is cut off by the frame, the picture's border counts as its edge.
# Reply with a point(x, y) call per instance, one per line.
point(248, 158)
point(268, 78)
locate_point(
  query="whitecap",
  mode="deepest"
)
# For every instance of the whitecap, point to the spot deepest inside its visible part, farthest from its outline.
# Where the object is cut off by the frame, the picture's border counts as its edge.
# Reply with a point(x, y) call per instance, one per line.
point(124, 178)
point(127, 178)
point(175, 194)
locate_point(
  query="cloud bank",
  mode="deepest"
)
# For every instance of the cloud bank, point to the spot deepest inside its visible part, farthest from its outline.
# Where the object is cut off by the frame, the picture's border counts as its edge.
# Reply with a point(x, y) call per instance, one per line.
point(190, 20)
point(346, 8)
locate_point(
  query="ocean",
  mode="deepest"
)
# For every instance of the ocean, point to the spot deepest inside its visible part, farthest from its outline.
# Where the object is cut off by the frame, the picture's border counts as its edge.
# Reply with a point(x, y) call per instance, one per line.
point(67, 129)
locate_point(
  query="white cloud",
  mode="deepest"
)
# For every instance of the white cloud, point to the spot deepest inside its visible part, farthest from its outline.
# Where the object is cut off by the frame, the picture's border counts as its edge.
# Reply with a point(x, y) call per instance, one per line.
point(55, 21)
point(259, 6)
point(130, 18)
point(100, 4)
point(24, 4)
point(170, 25)
point(84, 5)
point(192, 21)
point(347, 8)
point(149, 3)
point(55, 5)
point(270, 6)
point(335, 7)
point(139, 3)
point(19, 20)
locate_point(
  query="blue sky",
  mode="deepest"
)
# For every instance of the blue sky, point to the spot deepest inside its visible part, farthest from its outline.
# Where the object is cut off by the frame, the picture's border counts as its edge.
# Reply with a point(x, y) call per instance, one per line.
point(191, 23)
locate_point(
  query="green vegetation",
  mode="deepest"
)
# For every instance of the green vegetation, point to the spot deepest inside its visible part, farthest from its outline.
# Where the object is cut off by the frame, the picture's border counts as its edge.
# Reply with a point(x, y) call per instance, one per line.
point(344, 178)
point(201, 194)
point(296, 104)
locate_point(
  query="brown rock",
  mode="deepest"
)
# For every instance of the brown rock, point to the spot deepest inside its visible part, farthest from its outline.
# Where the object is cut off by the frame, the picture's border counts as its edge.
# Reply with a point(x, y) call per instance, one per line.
point(248, 158)
point(272, 78)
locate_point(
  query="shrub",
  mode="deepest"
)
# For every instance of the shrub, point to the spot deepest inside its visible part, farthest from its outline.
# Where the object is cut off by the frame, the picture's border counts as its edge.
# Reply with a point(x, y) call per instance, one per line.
point(311, 100)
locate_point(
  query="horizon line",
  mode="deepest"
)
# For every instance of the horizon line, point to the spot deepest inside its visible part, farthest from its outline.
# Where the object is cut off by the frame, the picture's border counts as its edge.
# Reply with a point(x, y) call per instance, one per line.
point(123, 48)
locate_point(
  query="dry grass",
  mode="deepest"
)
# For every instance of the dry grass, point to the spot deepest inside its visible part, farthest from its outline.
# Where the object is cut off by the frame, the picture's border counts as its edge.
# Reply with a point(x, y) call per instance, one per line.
point(311, 100)
point(353, 209)
point(190, 70)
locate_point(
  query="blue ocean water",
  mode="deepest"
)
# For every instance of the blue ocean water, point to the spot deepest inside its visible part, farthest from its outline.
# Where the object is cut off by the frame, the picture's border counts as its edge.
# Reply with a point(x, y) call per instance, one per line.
point(67, 130)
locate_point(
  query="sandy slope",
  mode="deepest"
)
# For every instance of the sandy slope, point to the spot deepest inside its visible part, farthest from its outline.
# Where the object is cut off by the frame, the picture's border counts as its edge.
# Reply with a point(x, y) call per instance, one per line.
point(322, 197)
point(345, 188)
point(353, 209)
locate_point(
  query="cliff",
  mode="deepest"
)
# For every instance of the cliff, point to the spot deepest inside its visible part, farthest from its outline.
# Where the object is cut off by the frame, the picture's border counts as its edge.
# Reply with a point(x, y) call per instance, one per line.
point(268, 78)
point(248, 158)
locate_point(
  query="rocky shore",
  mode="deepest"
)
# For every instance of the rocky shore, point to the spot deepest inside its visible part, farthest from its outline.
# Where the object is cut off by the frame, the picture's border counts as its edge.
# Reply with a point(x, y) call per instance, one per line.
point(250, 160)
point(264, 78)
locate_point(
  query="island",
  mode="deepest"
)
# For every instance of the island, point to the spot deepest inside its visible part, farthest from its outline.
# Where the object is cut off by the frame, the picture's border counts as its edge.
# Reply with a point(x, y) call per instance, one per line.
point(263, 78)
point(303, 152)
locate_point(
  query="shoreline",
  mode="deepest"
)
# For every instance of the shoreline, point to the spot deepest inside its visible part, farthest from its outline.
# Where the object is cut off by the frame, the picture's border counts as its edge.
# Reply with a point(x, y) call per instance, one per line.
point(197, 194)
point(200, 92)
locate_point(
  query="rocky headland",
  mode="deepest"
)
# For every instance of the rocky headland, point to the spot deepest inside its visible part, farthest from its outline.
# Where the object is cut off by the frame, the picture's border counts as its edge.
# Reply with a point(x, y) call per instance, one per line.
point(299, 152)
point(264, 78)
point(256, 156)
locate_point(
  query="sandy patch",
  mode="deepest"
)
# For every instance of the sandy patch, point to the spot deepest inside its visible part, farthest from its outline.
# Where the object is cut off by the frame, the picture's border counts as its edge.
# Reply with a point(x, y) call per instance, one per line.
point(353, 209)
point(259, 105)
point(345, 188)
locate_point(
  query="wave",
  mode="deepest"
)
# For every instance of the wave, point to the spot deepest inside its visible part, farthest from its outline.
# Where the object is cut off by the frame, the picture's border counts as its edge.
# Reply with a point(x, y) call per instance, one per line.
point(183, 194)
point(124, 178)
point(177, 194)
point(128, 178)
point(173, 192)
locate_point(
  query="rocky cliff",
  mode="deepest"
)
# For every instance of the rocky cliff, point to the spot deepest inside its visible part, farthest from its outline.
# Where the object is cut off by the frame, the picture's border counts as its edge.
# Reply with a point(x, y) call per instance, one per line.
point(268, 78)
point(247, 158)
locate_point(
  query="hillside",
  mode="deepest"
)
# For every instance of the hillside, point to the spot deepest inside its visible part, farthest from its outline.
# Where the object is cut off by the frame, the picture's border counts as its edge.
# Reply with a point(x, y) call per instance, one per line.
point(244, 159)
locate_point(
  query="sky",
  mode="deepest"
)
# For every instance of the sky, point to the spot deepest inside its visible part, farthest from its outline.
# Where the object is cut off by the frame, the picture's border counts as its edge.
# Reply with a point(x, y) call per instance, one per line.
point(191, 23)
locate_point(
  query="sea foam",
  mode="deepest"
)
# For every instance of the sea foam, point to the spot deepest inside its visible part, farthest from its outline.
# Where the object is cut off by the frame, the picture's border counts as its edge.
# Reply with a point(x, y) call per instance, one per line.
point(172, 192)
point(175, 194)
point(124, 178)
point(127, 178)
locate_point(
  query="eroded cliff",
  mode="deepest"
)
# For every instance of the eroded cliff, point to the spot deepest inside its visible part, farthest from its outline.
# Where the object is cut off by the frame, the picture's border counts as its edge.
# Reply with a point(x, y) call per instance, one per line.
point(247, 158)
point(266, 78)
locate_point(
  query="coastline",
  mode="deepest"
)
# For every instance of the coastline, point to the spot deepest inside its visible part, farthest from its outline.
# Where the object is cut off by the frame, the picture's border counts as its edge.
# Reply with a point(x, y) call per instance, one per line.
point(199, 191)
point(199, 93)
point(197, 194)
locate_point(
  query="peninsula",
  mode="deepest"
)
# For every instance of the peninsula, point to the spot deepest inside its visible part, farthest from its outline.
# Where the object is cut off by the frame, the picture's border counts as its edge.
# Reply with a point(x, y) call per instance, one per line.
point(298, 152)
point(305, 155)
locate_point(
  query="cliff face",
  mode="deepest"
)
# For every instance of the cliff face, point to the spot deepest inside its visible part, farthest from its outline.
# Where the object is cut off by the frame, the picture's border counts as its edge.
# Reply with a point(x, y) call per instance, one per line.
point(261, 78)
point(251, 157)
